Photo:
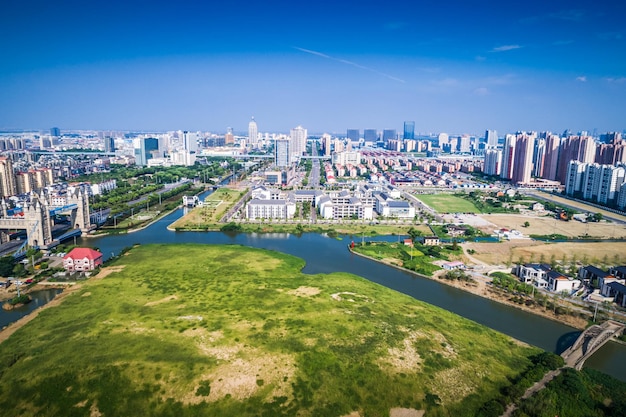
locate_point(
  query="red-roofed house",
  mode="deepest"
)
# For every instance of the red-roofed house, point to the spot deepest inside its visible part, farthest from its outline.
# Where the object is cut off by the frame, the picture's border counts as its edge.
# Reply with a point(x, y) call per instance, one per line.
point(82, 259)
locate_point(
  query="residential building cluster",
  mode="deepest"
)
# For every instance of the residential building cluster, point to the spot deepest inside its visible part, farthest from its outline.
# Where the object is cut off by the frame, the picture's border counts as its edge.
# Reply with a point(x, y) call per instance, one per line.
point(361, 203)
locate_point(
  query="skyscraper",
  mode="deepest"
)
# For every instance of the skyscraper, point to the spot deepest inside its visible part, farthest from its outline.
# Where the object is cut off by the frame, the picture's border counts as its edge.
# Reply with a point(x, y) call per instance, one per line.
point(190, 141)
point(282, 156)
point(55, 131)
point(253, 134)
point(523, 160)
point(389, 134)
point(409, 130)
point(109, 144)
point(353, 135)
point(508, 157)
point(491, 138)
point(493, 161)
point(298, 141)
point(7, 177)
point(370, 135)
point(145, 149)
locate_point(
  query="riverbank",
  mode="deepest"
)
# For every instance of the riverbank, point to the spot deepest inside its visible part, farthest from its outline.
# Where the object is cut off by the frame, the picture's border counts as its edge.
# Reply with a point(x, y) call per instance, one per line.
point(480, 288)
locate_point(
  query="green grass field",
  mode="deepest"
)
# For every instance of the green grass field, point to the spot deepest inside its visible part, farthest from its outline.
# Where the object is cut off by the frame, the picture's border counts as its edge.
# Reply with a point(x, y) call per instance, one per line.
point(187, 330)
point(447, 203)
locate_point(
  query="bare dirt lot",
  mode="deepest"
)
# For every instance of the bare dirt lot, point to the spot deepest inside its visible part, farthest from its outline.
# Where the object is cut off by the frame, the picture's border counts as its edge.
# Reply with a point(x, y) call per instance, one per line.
point(535, 251)
point(549, 225)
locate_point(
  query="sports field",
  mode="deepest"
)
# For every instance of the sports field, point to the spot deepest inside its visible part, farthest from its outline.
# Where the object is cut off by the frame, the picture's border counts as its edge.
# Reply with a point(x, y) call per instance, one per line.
point(447, 203)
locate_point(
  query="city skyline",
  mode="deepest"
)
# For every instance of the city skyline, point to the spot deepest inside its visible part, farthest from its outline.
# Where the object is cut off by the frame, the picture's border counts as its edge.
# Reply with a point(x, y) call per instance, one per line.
point(328, 66)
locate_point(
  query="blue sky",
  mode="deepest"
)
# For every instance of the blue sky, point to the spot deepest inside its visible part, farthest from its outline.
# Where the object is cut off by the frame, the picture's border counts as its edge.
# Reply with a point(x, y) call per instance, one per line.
point(457, 67)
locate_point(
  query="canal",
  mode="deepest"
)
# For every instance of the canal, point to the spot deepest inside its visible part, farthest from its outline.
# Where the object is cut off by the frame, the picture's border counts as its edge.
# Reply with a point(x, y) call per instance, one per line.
point(324, 255)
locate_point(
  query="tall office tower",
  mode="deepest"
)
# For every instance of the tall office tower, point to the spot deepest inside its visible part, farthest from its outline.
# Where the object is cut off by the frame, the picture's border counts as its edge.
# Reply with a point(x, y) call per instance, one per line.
point(7, 177)
point(464, 144)
point(443, 139)
point(370, 135)
point(409, 130)
point(493, 161)
point(282, 155)
point(326, 144)
point(145, 149)
point(523, 160)
point(109, 144)
point(551, 159)
point(353, 135)
point(491, 138)
point(190, 141)
point(55, 131)
point(611, 179)
point(253, 133)
point(508, 157)
point(575, 174)
point(298, 141)
point(389, 134)
point(539, 156)
point(590, 186)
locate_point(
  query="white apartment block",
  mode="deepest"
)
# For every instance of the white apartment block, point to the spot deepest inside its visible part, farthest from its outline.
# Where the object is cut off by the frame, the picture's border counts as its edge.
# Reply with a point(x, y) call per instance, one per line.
point(270, 209)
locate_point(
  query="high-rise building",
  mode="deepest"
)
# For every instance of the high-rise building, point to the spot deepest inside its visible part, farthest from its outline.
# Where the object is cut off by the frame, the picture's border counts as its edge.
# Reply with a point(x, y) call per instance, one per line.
point(109, 144)
point(493, 161)
point(326, 144)
point(590, 186)
point(353, 135)
point(190, 141)
point(409, 130)
point(298, 141)
point(253, 133)
point(491, 138)
point(370, 135)
point(551, 158)
point(539, 155)
point(55, 131)
point(575, 174)
point(523, 160)
point(508, 157)
point(611, 179)
point(389, 134)
point(282, 156)
point(7, 177)
point(145, 149)
point(464, 144)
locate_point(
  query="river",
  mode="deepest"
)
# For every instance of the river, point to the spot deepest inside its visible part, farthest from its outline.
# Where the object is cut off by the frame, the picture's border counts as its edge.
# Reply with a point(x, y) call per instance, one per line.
point(324, 255)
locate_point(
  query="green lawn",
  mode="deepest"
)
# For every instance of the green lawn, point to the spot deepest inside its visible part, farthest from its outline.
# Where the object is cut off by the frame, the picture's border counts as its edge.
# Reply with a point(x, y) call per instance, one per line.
point(447, 203)
point(187, 330)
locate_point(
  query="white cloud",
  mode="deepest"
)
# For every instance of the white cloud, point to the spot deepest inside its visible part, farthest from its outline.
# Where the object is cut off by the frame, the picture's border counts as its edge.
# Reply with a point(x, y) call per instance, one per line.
point(616, 80)
point(481, 91)
point(582, 79)
point(504, 48)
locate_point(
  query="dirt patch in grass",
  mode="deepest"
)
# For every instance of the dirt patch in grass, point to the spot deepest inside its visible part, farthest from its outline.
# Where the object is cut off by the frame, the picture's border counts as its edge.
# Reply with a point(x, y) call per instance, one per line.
point(162, 300)
point(305, 291)
point(405, 357)
point(242, 378)
point(104, 272)
point(406, 412)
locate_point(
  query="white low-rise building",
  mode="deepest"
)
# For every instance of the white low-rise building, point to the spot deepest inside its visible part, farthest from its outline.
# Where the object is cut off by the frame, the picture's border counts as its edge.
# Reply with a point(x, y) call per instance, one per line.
point(270, 209)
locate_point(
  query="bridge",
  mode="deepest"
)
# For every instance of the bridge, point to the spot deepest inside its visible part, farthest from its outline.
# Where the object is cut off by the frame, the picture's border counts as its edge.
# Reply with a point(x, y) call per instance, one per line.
point(37, 219)
point(589, 341)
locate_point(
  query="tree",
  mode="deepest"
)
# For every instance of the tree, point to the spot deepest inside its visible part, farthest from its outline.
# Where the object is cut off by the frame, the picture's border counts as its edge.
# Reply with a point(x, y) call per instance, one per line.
point(414, 233)
point(6, 266)
point(526, 224)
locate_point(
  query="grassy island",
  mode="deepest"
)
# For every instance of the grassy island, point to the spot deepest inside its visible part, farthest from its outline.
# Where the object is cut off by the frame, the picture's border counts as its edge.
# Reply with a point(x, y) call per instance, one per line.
point(177, 330)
